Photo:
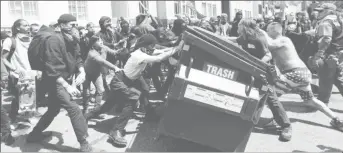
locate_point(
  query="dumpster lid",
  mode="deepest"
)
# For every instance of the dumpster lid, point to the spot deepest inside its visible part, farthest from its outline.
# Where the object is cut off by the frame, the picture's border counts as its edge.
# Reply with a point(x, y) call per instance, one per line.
point(227, 46)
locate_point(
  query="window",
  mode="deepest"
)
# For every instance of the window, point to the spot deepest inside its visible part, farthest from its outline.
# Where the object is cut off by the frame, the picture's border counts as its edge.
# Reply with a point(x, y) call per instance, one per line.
point(259, 9)
point(24, 9)
point(192, 12)
point(78, 9)
point(210, 10)
point(183, 7)
point(146, 6)
point(214, 10)
point(204, 11)
point(176, 7)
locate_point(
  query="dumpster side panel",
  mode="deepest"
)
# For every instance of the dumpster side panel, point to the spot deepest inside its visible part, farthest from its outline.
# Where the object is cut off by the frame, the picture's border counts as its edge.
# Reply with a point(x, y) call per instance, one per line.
point(207, 127)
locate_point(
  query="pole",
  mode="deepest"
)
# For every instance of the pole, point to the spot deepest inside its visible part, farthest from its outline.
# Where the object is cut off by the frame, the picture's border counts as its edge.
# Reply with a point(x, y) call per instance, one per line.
point(146, 10)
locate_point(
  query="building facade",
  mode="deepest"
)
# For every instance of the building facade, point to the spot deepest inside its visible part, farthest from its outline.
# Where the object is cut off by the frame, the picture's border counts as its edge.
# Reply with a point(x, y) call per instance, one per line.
point(258, 10)
point(46, 12)
point(90, 11)
point(232, 7)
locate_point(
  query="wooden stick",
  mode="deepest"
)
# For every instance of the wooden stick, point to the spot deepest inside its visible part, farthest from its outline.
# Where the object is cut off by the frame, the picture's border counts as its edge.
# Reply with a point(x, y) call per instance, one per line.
point(143, 7)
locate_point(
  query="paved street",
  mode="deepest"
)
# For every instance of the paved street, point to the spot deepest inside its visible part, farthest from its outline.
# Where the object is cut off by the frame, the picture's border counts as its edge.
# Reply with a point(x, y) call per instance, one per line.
point(311, 133)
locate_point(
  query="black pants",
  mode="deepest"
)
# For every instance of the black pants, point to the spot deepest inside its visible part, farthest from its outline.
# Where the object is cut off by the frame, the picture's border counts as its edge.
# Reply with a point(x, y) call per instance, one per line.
point(40, 93)
point(124, 95)
point(279, 113)
point(154, 73)
point(169, 80)
point(59, 98)
point(14, 90)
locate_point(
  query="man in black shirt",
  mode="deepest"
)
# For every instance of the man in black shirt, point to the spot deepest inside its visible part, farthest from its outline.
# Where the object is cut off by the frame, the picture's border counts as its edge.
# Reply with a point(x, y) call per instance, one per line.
point(62, 61)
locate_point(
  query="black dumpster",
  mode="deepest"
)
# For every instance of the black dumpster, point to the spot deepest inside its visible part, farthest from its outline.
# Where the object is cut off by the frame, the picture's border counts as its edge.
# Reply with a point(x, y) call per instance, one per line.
point(213, 100)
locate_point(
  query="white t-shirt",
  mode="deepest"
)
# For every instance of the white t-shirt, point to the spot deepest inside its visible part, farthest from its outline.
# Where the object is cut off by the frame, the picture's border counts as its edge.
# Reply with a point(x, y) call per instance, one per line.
point(138, 61)
point(19, 59)
point(136, 64)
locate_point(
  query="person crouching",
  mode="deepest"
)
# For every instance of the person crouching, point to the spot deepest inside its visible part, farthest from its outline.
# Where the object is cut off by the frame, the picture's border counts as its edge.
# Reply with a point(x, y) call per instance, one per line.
point(128, 85)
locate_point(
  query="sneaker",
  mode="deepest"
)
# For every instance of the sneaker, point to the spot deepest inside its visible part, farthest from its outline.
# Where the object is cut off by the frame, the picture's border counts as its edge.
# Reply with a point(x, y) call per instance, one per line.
point(271, 125)
point(286, 134)
point(337, 124)
point(86, 147)
point(34, 138)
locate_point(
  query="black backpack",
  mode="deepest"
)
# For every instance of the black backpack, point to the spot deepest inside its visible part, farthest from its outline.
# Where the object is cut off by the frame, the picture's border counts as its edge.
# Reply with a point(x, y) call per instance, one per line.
point(37, 48)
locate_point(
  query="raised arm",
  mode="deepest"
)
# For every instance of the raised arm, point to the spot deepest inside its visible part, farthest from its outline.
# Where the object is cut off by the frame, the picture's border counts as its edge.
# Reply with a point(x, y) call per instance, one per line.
point(111, 51)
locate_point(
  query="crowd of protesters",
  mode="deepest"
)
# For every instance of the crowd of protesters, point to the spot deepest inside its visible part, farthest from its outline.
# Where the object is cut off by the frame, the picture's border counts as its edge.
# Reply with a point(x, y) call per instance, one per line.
point(67, 56)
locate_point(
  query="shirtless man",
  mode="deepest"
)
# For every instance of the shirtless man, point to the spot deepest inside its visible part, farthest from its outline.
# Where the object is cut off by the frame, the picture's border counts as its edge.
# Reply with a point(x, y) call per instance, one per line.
point(294, 73)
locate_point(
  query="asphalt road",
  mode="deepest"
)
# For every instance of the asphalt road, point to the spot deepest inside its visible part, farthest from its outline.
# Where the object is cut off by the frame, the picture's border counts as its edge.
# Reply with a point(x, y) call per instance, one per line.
point(311, 133)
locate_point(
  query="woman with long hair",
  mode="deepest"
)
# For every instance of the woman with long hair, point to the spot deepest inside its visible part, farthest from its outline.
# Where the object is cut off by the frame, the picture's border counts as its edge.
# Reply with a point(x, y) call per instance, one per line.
point(250, 33)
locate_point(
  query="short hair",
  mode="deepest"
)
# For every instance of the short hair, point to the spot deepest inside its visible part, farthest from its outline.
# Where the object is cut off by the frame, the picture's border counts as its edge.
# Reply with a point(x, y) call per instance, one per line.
point(92, 41)
point(89, 24)
point(276, 27)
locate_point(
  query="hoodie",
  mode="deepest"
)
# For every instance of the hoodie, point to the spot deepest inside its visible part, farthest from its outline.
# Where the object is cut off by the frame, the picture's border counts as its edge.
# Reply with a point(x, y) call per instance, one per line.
point(59, 59)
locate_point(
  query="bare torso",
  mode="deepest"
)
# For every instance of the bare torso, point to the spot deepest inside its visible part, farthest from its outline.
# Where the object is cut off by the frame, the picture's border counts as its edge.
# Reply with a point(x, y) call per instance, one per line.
point(285, 54)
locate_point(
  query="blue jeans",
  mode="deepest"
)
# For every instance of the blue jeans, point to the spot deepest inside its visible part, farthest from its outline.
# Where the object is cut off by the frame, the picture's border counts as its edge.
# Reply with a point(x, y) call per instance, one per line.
point(59, 98)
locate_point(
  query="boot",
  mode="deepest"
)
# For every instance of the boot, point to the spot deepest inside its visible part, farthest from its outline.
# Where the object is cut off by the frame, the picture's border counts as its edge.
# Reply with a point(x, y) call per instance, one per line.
point(86, 147)
point(337, 124)
point(286, 134)
point(117, 138)
point(271, 125)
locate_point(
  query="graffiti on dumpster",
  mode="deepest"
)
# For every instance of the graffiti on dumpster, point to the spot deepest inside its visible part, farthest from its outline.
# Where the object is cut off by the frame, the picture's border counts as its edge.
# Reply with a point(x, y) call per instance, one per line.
point(213, 98)
point(220, 71)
